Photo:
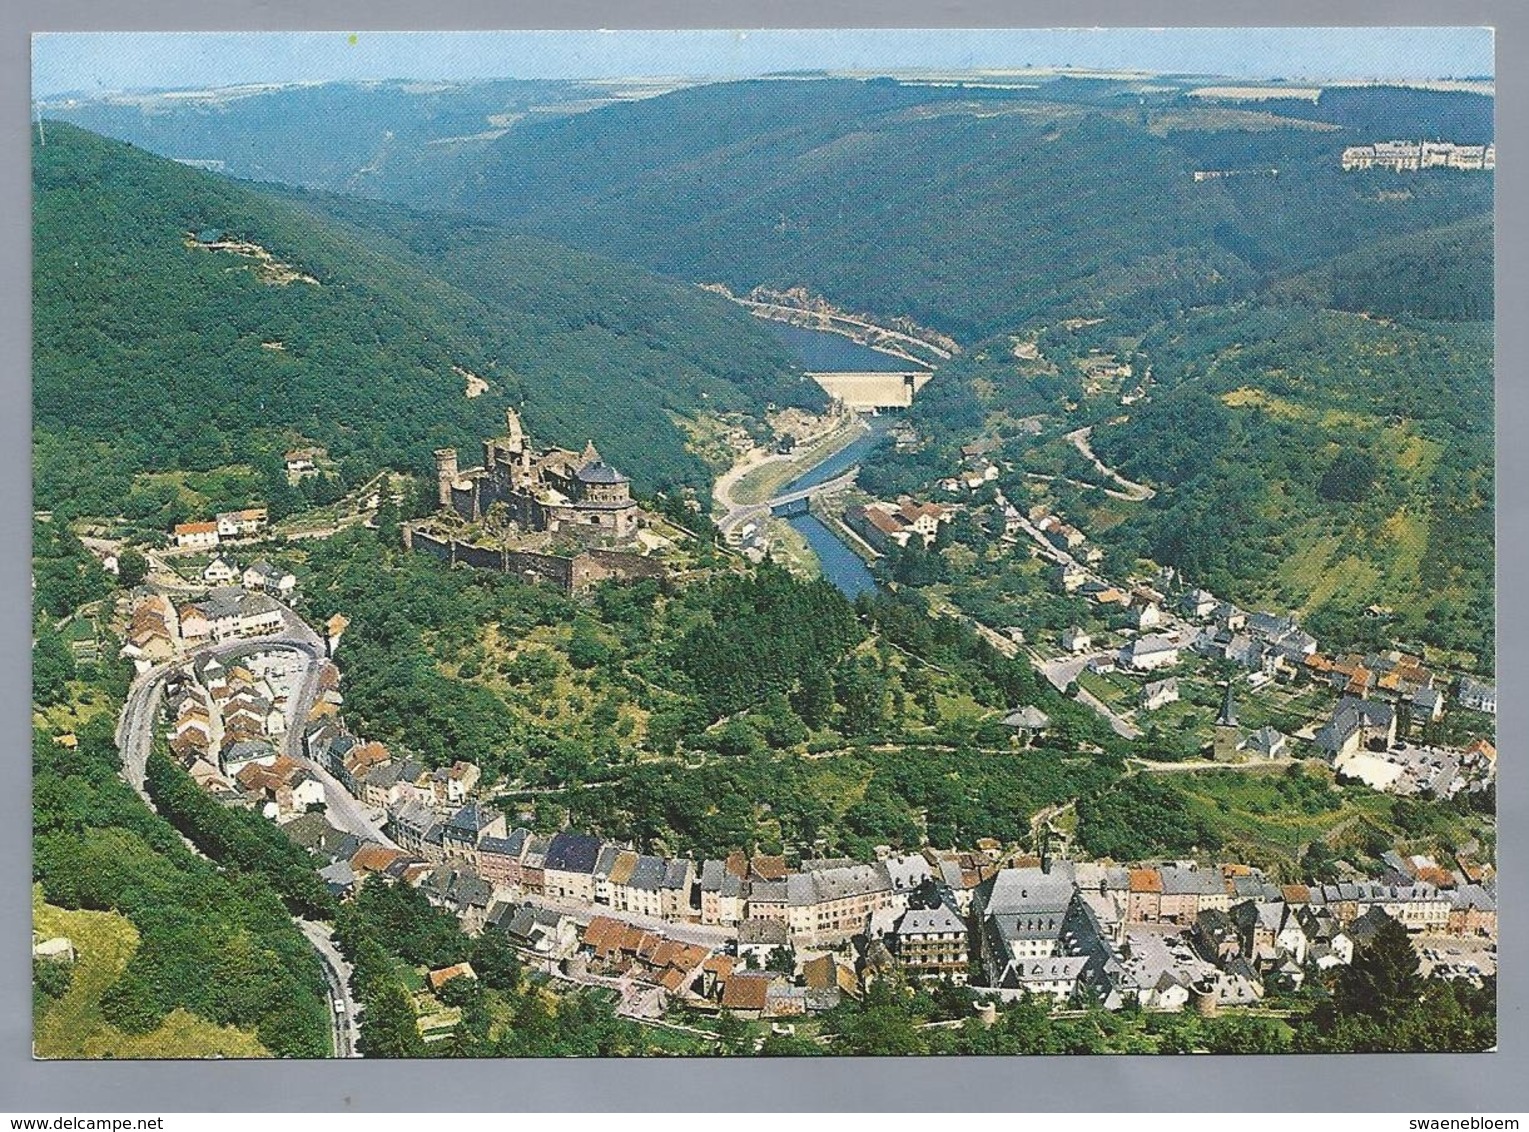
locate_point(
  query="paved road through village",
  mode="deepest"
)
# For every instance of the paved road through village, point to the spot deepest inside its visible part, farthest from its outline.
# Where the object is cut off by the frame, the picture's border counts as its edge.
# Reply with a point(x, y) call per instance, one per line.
point(135, 738)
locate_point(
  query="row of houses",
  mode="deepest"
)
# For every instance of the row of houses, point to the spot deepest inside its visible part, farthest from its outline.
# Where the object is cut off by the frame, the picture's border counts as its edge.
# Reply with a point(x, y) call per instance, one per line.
point(259, 576)
point(1411, 156)
point(227, 525)
point(1168, 936)
point(373, 773)
point(230, 613)
point(153, 634)
point(226, 719)
point(822, 902)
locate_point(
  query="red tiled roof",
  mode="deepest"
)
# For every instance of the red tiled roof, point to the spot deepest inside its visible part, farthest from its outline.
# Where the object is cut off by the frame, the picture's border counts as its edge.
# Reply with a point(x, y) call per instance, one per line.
point(440, 978)
point(769, 868)
point(1146, 880)
point(746, 990)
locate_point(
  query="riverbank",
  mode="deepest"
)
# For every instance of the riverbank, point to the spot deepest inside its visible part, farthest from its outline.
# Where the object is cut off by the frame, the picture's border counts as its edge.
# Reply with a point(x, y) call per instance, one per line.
point(774, 474)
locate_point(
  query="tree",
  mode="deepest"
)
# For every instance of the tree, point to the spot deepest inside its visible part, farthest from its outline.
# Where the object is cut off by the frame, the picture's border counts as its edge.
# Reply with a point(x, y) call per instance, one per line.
point(781, 960)
point(1383, 981)
point(52, 666)
point(1242, 1033)
point(132, 567)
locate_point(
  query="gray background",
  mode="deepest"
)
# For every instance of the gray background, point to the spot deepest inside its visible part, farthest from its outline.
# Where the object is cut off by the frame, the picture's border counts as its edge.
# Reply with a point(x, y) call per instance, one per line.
point(1458, 1084)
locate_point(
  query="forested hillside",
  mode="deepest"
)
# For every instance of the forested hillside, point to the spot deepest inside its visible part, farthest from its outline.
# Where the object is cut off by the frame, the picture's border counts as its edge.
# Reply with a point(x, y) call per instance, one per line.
point(972, 211)
point(185, 322)
point(1323, 461)
point(1443, 273)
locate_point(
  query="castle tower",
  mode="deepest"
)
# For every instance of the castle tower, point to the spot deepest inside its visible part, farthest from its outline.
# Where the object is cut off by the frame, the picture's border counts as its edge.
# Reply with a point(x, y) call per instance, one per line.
point(591, 453)
point(513, 431)
point(445, 473)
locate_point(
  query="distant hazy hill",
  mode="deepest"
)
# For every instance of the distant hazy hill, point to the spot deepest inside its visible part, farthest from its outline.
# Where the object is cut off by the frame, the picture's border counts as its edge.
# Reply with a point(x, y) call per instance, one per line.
point(386, 139)
point(971, 210)
point(154, 353)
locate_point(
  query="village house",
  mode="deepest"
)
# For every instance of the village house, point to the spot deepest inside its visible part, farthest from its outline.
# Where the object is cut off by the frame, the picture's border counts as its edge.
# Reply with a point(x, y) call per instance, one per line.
point(830, 905)
point(757, 938)
point(721, 894)
point(1477, 695)
point(1266, 743)
point(931, 943)
point(1159, 693)
point(675, 890)
point(195, 535)
point(1070, 575)
point(637, 884)
point(263, 577)
point(302, 462)
point(1472, 912)
point(1357, 723)
point(236, 524)
point(1144, 903)
point(1075, 640)
point(219, 573)
point(499, 858)
point(1146, 654)
point(569, 867)
point(1198, 604)
point(461, 832)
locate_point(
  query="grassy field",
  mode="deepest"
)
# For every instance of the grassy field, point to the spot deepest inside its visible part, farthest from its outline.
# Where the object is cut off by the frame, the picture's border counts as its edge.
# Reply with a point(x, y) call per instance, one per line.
point(73, 1026)
point(1262, 826)
point(84, 704)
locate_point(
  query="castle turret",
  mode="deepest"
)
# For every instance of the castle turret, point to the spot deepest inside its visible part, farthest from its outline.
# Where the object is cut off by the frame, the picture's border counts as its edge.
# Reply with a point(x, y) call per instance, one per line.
point(445, 473)
point(513, 431)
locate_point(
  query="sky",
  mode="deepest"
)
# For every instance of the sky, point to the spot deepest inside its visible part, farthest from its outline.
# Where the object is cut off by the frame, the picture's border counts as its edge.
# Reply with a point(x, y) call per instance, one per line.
point(99, 62)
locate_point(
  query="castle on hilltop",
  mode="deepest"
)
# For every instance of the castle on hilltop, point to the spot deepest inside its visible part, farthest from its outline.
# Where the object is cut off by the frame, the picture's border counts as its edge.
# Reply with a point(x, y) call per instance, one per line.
point(551, 515)
point(554, 490)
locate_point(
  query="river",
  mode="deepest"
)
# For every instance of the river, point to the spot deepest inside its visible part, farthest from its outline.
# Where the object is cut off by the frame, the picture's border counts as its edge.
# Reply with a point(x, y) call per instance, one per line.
point(823, 351)
point(840, 565)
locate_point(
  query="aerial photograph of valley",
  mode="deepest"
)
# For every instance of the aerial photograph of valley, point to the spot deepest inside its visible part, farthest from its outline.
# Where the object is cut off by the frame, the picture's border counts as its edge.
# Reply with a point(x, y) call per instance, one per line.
point(710, 544)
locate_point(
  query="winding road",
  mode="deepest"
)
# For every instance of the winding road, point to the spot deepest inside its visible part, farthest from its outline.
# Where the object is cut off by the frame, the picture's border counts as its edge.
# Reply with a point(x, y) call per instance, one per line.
point(1135, 492)
point(135, 738)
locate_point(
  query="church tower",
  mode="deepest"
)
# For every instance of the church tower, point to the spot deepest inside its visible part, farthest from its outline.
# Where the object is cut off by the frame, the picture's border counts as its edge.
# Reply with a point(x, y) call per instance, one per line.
point(1228, 735)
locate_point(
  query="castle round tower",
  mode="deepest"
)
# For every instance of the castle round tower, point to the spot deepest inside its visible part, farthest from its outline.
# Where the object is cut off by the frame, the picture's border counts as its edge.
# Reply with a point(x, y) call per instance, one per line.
point(445, 473)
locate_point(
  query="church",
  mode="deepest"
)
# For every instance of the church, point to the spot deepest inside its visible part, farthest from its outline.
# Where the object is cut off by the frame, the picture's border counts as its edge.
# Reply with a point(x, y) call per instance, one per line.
point(554, 490)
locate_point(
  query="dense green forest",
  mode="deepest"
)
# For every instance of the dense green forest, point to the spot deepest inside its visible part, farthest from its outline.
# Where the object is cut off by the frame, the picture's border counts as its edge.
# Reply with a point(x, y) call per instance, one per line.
point(151, 354)
point(807, 182)
point(1442, 273)
point(744, 710)
point(219, 944)
point(388, 139)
